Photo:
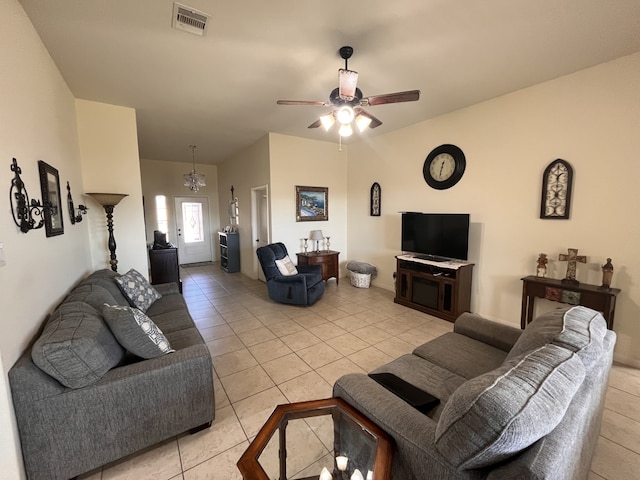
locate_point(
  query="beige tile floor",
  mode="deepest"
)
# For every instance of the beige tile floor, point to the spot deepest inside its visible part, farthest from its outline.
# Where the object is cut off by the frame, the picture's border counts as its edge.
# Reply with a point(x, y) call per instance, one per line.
point(265, 354)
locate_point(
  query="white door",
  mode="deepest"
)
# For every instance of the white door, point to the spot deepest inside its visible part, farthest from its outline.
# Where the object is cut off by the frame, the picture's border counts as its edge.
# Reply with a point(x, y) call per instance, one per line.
point(193, 231)
point(260, 223)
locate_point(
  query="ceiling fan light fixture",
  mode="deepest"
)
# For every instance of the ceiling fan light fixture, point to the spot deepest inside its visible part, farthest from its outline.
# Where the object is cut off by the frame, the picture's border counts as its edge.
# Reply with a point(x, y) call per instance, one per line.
point(327, 121)
point(345, 130)
point(345, 115)
point(347, 80)
point(362, 122)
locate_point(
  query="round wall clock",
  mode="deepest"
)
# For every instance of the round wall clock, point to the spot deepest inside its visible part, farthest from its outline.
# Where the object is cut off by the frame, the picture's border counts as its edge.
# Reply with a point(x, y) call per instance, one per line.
point(444, 167)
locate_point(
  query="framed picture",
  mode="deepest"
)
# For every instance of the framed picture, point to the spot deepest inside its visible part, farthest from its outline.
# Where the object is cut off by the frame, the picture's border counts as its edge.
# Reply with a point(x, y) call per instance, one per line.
point(51, 200)
point(312, 204)
point(375, 200)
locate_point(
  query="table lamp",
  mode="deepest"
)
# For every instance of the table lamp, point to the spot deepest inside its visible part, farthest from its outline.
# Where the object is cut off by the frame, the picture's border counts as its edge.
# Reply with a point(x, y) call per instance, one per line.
point(317, 236)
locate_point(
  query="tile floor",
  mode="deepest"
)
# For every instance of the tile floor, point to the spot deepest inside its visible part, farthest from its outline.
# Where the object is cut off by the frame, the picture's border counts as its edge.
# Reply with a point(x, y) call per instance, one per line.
point(266, 353)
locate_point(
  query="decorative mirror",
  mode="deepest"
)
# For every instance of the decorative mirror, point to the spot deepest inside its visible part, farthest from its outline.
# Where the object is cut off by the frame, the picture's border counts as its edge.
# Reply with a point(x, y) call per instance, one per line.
point(50, 187)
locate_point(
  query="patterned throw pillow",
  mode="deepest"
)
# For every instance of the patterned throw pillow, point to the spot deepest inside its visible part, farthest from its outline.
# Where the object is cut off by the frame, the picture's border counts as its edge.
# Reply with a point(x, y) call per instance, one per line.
point(286, 266)
point(136, 331)
point(137, 289)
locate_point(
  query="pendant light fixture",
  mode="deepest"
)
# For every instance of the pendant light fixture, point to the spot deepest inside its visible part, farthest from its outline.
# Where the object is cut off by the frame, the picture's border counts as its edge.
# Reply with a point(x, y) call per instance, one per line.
point(194, 180)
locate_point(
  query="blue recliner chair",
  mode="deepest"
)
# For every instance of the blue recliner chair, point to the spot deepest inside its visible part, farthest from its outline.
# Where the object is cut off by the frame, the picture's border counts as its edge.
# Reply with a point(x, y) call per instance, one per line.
point(304, 288)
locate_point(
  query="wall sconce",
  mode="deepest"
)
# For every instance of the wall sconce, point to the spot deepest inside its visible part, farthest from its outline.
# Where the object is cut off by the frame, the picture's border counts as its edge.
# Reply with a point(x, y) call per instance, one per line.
point(22, 210)
point(109, 201)
point(82, 210)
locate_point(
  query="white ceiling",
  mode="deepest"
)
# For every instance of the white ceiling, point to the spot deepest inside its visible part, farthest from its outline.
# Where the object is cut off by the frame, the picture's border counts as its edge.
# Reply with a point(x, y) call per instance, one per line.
point(219, 91)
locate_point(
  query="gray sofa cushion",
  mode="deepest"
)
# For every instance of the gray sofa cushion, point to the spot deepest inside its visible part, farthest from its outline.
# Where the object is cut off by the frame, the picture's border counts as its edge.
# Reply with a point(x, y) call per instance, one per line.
point(94, 295)
point(106, 279)
point(578, 329)
point(137, 290)
point(498, 414)
point(76, 347)
point(471, 357)
point(136, 332)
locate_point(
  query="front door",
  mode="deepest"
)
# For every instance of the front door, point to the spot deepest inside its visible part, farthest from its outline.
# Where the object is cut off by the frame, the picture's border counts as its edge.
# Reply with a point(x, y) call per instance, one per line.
point(194, 233)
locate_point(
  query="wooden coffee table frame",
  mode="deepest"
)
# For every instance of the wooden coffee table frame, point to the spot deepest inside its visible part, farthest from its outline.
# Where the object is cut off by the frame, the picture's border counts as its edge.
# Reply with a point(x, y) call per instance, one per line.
point(250, 467)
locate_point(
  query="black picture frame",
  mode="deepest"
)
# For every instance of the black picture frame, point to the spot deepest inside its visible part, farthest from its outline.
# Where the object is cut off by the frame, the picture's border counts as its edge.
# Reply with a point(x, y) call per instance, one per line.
point(51, 199)
point(557, 187)
point(375, 200)
point(312, 204)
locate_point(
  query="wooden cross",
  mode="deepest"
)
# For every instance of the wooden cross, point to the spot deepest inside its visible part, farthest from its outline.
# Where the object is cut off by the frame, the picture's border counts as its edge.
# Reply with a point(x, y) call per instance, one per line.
point(572, 258)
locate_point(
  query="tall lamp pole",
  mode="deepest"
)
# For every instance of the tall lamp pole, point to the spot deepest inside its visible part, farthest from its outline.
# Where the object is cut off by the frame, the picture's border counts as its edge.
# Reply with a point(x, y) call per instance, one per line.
point(109, 201)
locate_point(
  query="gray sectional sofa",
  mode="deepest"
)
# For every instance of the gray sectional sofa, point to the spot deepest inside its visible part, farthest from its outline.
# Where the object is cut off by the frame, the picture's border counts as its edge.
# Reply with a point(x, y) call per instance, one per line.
point(514, 404)
point(88, 401)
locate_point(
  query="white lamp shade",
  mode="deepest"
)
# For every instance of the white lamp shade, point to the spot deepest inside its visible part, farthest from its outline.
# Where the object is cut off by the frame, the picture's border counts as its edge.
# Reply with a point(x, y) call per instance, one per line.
point(345, 130)
point(106, 199)
point(345, 115)
point(316, 235)
point(327, 121)
point(347, 80)
point(362, 122)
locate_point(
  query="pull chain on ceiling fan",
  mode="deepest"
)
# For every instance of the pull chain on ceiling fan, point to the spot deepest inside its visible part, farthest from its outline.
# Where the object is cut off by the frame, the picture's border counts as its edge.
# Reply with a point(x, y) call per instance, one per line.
point(347, 101)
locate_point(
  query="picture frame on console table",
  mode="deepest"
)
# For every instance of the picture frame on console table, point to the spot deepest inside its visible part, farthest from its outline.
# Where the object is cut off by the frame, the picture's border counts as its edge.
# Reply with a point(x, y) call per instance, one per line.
point(312, 204)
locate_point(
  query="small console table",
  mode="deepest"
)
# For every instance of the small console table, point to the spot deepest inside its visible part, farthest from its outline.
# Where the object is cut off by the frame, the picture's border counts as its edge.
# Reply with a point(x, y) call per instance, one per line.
point(591, 296)
point(327, 259)
point(440, 288)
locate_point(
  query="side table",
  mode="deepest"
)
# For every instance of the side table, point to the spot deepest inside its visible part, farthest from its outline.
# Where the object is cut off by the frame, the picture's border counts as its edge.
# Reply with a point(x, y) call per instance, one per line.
point(327, 259)
point(591, 296)
point(301, 440)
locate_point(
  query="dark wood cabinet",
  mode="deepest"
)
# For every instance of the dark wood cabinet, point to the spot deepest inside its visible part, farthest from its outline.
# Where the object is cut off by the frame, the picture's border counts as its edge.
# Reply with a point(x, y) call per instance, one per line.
point(591, 296)
point(229, 252)
point(164, 266)
point(441, 289)
point(327, 259)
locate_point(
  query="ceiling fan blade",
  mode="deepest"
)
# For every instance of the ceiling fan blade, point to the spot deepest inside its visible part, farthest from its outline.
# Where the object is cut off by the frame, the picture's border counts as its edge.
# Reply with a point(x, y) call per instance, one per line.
point(347, 81)
point(302, 102)
point(375, 122)
point(315, 124)
point(408, 96)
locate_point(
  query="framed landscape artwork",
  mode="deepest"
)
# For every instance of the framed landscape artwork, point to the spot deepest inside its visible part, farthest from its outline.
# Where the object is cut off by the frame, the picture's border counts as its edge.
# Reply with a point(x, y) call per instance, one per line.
point(312, 204)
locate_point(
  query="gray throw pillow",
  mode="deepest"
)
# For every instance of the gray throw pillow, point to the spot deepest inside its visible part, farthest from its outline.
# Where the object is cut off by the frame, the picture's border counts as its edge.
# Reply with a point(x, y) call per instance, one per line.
point(578, 329)
point(497, 414)
point(136, 331)
point(137, 289)
point(76, 347)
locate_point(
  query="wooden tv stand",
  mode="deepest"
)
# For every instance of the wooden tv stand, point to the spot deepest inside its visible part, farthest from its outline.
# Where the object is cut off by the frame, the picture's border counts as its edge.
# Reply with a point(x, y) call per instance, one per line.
point(441, 289)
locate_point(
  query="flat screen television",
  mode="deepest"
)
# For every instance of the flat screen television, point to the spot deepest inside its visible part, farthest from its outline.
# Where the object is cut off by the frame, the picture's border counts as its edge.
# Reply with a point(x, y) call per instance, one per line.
point(436, 236)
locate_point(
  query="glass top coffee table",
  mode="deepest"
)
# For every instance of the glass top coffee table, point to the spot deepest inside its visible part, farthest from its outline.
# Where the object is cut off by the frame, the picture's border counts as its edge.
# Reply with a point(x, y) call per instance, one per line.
point(320, 440)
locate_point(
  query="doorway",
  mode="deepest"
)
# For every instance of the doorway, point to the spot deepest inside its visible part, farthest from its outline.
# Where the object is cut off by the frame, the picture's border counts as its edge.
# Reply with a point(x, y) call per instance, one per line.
point(259, 224)
point(193, 230)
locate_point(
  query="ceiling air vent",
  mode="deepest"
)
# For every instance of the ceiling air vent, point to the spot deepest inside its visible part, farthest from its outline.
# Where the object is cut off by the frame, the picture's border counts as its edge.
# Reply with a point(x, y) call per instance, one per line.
point(189, 19)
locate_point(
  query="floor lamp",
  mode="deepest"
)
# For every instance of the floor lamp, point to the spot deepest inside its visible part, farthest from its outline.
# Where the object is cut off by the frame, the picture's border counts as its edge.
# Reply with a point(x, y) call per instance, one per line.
point(109, 201)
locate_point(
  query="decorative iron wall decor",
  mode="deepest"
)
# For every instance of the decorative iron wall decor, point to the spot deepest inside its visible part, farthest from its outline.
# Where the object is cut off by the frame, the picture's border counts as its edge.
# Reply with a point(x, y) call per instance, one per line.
point(23, 210)
point(557, 181)
point(375, 200)
point(50, 187)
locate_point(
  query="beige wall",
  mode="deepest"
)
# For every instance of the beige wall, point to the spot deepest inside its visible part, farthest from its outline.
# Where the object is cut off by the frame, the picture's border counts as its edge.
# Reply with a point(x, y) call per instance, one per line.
point(38, 122)
point(590, 119)
point(166, 178)
point(245, 170)
point(110, 164)
point(304, 162)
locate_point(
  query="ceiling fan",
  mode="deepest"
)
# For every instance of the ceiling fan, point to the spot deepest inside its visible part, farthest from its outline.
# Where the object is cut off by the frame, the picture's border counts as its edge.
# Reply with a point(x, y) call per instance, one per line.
point(347, 101)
